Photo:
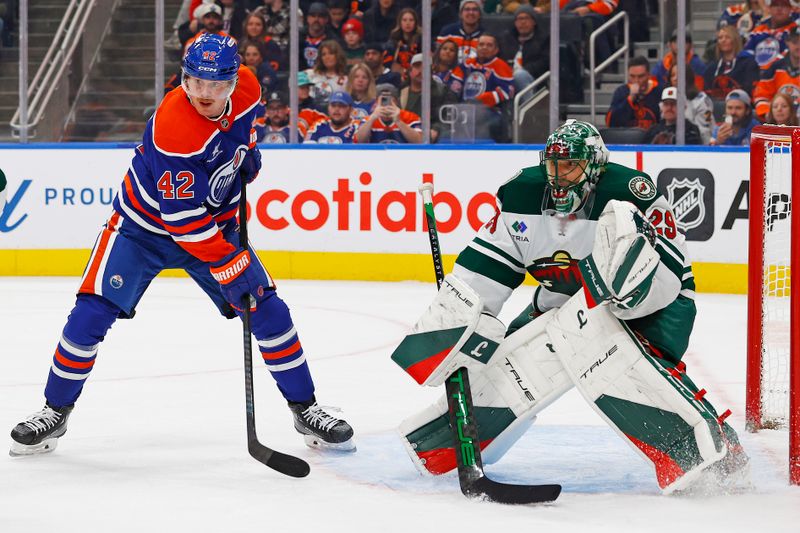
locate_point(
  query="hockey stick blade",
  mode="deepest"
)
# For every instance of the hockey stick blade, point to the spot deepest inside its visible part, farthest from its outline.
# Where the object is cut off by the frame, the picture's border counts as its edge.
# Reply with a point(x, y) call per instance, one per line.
point(486, 489)
point(280, 462)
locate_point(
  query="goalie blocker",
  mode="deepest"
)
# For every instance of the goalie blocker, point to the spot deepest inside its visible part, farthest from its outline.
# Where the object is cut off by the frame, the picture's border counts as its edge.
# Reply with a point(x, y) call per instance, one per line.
point(648, 401)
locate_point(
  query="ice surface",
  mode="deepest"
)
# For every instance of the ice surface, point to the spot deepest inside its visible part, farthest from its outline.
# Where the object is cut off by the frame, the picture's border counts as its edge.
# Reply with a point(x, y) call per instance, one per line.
point(157, 441)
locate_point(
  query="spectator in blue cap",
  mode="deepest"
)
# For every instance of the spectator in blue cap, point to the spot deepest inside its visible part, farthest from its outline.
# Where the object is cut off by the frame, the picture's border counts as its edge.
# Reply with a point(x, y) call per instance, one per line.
point(339, 128)
point(739, 122)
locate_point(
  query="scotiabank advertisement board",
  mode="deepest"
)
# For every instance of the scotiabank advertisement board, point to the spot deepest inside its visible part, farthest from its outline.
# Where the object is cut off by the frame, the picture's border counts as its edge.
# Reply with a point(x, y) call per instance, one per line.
point(362, 200)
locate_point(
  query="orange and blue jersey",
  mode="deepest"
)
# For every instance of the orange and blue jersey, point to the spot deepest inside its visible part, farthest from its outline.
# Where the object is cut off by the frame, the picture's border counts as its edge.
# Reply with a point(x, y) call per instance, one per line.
point(467, 42)
point(182, 181)
point(324, 132)
point(383, 133)
point(767, 44)
point(492, 83)
point(276, 135)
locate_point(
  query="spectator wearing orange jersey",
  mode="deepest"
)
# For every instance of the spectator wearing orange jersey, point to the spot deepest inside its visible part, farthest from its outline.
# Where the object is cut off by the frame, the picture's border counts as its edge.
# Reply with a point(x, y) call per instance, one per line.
point(743, 17)
point(635, 104)
point(488, 80)
point(405, 40)
point(388, 124)
point(308, 114)
point(782, 76)
point(661, 69)
point(768, 40)
point(466, 31)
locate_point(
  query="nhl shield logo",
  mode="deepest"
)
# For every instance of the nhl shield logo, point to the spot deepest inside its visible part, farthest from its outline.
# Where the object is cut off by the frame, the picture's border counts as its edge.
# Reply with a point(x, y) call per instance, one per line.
point(690, 192)
point(687, 199)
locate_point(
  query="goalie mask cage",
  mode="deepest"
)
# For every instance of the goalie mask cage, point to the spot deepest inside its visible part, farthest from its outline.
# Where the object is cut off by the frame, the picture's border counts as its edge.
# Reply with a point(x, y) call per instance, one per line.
point(773, 309)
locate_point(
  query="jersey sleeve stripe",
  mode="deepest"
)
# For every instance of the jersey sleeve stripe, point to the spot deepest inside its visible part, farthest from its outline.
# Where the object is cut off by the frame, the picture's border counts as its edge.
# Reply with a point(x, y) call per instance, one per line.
point(130, 195)
point(672, 248)
point(490, 267)
point(180, 215)
point(134, 216)
point(197, 237)
point(209, 250)
point(674, 266)
point(490, 254)
point(515, 262)
point(142, 193)
point(224, 217)
point(190, 226)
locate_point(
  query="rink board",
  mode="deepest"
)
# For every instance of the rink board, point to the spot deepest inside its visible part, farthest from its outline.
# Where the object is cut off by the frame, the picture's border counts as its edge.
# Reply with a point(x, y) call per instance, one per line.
point(354, 213)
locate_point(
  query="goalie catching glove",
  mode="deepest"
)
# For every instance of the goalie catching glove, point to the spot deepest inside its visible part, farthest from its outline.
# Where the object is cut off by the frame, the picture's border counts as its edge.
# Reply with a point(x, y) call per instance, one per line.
point(623, 261)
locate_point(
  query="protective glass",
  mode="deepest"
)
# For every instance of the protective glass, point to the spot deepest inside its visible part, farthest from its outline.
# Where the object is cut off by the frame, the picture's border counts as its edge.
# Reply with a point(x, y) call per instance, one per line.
point(207, 89)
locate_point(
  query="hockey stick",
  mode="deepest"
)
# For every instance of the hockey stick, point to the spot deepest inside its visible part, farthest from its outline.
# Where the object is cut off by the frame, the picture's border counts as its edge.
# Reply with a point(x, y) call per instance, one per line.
point(471, 478)
point(281, 462)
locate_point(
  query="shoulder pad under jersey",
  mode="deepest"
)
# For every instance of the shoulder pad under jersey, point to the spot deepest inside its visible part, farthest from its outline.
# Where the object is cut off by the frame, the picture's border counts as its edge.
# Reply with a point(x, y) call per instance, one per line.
point(179, 130)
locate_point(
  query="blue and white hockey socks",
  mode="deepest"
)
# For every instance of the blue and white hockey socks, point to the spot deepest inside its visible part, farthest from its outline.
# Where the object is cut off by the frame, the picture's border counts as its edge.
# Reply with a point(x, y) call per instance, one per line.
point(87, 325)
point(281, 349)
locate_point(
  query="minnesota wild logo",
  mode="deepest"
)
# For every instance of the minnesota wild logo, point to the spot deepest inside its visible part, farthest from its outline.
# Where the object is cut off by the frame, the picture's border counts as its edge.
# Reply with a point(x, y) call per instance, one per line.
point(557, 273)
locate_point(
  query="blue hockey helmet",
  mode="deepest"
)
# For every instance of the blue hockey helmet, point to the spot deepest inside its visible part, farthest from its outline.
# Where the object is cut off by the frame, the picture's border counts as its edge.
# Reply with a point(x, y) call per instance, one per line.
point(212, 57)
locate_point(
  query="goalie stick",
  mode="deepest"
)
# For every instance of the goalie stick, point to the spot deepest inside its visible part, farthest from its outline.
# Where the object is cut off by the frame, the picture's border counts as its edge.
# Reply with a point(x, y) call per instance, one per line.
point(473, 481)
point(281, 462)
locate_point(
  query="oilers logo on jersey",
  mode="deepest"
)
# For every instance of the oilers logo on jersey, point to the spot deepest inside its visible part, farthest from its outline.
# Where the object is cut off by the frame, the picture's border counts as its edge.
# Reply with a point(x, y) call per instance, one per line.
point(767, 51)
point(221, 180)
point(474, 85)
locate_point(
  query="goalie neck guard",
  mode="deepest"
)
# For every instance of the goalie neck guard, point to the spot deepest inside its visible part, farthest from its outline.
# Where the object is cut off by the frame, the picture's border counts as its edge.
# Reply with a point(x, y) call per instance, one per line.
point(573, 159)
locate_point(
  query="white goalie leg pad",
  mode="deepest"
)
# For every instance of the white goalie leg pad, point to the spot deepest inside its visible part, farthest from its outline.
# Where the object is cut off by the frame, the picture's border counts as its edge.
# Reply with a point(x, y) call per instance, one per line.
point(452, 333)
point(634, 394)
point(524, 377)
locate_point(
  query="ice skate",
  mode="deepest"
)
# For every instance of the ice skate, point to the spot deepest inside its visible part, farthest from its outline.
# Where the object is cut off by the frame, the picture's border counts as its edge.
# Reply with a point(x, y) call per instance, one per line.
point(319, 428)
point(40, 432)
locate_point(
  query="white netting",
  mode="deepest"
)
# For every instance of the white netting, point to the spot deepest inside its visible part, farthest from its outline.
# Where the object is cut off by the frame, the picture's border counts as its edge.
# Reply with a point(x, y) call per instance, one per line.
point(777, 284)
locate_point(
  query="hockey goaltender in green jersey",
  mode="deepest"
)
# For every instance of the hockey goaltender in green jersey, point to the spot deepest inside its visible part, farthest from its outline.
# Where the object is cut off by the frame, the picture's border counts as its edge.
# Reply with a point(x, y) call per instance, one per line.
point(611, 316)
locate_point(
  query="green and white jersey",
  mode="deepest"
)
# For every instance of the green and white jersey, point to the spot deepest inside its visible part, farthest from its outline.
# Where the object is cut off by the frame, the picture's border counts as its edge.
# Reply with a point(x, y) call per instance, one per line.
point(527, 235)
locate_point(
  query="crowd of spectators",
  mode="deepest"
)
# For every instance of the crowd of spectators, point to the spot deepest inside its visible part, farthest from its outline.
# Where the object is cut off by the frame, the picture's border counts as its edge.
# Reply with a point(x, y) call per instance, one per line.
point(370, 51)
point(750, 73)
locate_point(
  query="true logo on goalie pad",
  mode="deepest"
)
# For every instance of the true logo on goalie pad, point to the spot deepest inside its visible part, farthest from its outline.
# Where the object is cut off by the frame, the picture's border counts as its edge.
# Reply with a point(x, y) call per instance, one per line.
point(518, 379)
point(600, 361)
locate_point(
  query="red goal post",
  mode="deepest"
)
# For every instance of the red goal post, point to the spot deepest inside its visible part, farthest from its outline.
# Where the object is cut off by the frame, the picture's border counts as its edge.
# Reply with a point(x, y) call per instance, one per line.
point(773, 309)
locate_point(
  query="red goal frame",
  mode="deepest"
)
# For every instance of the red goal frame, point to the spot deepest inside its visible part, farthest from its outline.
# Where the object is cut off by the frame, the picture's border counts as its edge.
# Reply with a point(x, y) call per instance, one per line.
point(760, 136)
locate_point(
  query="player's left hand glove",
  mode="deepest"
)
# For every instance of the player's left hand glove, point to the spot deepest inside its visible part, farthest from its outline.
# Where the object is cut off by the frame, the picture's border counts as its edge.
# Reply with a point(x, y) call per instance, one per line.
point(237, 277)
point(251, 164)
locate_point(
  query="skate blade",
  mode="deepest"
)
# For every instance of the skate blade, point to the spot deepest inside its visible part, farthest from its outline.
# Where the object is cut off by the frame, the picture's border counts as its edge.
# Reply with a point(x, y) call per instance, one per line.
point(312, 441)
point(22, 450)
